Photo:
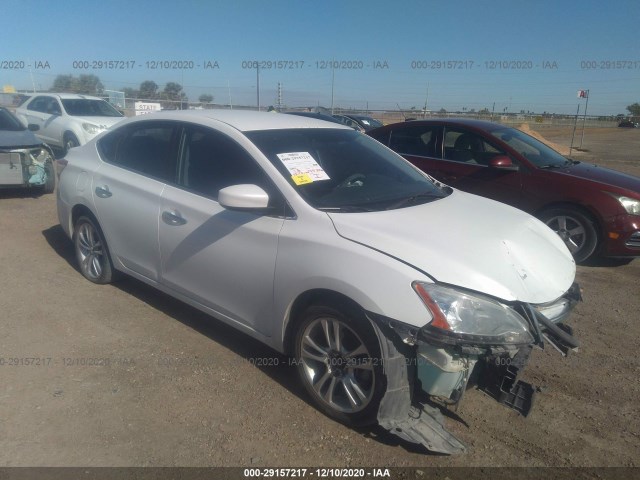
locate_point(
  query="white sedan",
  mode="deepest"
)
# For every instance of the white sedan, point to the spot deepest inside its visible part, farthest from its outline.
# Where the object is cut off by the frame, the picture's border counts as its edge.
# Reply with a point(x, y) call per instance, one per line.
point(387, 287)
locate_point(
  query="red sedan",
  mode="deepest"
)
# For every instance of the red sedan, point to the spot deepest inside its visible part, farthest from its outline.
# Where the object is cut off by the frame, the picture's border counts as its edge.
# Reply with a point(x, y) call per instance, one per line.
point(594, 209)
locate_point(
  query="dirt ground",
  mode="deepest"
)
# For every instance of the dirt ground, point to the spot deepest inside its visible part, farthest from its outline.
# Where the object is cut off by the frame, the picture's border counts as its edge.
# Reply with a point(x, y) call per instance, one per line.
point(122, 375)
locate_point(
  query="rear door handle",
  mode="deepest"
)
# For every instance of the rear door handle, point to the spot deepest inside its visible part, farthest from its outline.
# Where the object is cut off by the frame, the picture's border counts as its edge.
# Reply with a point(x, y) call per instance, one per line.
point(173, 218)
point(103, 192)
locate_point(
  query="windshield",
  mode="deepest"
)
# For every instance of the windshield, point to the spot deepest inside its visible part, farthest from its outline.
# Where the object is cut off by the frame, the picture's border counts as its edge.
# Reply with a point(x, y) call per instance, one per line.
point(533, 150)
point(344, 170)
point(10, 123)
point(82, 107)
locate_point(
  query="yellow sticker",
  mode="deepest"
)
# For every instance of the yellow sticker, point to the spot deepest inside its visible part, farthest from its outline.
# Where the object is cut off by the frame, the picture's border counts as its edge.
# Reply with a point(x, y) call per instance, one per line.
point(301, 178)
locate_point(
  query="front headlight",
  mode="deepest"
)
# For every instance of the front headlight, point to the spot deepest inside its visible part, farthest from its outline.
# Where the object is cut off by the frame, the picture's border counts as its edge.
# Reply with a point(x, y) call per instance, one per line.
point(463, 317)
point(631, 205)
point(92, 128)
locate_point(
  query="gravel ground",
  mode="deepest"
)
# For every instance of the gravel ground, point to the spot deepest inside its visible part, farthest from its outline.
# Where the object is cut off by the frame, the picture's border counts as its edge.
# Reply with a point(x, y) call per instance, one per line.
point(127, 376)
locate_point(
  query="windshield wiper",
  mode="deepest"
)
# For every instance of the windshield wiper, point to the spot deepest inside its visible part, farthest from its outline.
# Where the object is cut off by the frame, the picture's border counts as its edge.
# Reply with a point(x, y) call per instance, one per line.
point(347, 208)
point(414, 199)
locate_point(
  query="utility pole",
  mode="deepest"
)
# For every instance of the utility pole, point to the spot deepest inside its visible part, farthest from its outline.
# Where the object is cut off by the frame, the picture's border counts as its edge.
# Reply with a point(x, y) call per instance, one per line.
point(584, 117)
point(258, 83)
point(229, 90)
point(279, 102)
point(574, 129)
point(426, 99)
point(333, 80)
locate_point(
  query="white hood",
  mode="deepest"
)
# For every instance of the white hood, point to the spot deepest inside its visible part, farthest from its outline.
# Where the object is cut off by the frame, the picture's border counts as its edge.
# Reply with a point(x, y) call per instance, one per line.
point(104, 121)
point(471, 242)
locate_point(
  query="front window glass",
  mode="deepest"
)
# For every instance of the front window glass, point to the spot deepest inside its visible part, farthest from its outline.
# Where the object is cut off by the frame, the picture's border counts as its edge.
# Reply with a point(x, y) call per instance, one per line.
point(468, 147)
point(530, 148)
point(82, 107)
point(38, 104)
point(213, 161)
point(344, 170)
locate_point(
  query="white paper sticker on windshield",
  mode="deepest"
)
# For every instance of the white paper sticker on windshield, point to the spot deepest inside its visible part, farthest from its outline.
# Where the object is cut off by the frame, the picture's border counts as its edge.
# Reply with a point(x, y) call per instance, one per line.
point(302, 167)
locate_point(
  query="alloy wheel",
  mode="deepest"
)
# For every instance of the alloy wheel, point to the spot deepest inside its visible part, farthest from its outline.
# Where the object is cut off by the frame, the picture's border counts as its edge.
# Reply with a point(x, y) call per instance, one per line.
point(337, 365)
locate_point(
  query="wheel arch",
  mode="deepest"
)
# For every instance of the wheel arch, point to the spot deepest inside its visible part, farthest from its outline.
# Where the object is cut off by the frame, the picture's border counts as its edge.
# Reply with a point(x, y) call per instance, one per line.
point(318, 296)
point(80, 210)
point(591, 214)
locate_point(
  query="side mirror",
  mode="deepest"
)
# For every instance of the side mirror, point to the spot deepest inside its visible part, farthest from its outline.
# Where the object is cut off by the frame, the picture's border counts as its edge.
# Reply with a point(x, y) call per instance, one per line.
point(243, 197)
point(33, 127)
point(502, 162)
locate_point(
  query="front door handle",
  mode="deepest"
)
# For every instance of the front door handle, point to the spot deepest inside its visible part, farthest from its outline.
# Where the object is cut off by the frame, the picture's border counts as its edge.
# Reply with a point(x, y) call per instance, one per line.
point(103, 192)
point(173, 218)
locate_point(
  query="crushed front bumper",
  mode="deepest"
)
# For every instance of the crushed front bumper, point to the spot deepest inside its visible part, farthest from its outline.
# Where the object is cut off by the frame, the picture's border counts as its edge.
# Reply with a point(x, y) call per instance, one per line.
point(25, 167)
point(427, 373)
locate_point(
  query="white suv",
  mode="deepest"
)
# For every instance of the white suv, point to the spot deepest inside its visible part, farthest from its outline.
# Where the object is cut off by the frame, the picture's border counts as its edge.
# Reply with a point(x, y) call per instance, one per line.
point(66, 120)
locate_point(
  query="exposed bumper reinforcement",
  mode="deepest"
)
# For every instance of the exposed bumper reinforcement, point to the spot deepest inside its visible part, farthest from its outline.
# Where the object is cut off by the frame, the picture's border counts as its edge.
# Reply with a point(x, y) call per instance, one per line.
point(420, 424)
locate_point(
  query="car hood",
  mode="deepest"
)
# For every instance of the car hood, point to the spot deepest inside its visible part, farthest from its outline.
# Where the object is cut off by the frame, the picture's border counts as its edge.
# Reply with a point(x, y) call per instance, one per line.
point(603, 175)
point(471, 242)
point(106, 121)
point(20, 139)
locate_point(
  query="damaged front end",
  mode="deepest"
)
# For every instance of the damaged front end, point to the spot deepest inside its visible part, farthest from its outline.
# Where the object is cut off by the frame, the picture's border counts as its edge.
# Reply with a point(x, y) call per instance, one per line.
point(27, 167)
point(472, 339)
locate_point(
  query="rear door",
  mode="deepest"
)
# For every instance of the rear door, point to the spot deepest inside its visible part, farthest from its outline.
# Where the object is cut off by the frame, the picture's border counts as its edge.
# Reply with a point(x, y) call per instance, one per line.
point(139, 161)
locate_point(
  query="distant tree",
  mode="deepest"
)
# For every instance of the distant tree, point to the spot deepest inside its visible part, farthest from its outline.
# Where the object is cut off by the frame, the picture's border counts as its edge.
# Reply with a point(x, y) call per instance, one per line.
point(90, 84)
point(63, 83)
point(86, 84)
point(442, 110)
point(148, 90)
point(484, 111)
point(131, 92)
point(172, 94)
point(634, 109)
point(205, 98)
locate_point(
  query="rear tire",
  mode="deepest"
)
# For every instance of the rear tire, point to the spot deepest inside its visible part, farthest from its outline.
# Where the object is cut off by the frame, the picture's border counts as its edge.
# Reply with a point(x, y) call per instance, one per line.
point(92, 252)
point(575, 228)
point(339, 363)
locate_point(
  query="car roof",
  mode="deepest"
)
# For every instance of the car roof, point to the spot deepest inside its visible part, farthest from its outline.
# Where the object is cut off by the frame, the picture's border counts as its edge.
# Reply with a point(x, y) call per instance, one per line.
point(467, 122)
point(66, 96)
point(243, 120)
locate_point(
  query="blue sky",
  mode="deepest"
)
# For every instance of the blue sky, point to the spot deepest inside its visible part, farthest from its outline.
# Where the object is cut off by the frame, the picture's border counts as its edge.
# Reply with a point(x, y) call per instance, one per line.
point(501, 49)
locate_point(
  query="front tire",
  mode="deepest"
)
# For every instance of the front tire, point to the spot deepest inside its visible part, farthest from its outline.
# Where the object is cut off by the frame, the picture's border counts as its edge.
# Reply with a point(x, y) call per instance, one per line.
point(69, 141)
point(339, 363)
point(576, 230)
point(92, 252)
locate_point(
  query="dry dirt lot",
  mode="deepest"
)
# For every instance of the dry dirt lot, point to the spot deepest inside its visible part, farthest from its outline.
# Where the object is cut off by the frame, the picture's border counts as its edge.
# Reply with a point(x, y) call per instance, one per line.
point(129, 377)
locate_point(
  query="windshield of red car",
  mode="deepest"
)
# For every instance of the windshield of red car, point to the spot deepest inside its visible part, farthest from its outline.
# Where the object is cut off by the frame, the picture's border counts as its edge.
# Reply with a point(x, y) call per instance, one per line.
point(344, 170)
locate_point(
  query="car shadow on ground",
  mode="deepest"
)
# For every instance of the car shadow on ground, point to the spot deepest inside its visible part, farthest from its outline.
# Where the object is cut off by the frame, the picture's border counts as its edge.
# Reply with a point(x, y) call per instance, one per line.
point(607, 262)
point(280, 369)
point(32, 192)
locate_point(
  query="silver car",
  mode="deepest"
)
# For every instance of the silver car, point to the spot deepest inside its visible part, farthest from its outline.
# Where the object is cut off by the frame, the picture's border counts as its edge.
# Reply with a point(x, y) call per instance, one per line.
point(388, 288)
